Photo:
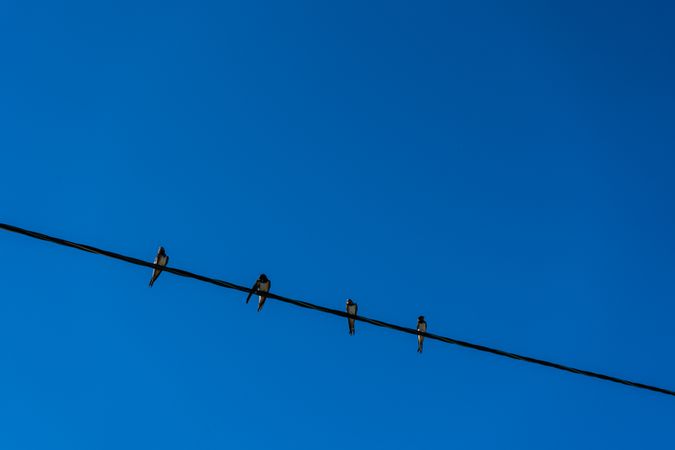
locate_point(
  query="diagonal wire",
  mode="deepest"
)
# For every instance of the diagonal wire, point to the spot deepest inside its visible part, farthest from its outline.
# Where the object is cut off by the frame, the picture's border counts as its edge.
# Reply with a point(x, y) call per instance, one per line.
point(307, 305)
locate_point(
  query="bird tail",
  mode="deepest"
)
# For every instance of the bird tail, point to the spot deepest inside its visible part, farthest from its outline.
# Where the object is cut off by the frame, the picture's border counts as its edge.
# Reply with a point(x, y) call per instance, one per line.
point(155, 275)
point(261, 303)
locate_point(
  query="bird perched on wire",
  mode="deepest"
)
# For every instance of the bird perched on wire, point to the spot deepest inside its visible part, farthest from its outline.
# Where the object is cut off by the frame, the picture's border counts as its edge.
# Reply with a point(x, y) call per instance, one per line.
point(353, 309)
point(262, 284)
point(421, 326)
point(162, 259)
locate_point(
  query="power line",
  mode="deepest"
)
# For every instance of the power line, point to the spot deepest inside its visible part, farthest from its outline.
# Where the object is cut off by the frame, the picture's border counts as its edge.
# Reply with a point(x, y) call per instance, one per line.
point(307, 305)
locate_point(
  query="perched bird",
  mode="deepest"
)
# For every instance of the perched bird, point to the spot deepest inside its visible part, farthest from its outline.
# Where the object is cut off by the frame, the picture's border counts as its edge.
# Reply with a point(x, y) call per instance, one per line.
point(162, 259)
point(421, 326)
point(261, 284)
point(353, 309)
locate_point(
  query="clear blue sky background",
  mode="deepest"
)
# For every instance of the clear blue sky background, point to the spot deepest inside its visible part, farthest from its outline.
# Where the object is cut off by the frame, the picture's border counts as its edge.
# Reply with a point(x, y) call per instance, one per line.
point(505, 170)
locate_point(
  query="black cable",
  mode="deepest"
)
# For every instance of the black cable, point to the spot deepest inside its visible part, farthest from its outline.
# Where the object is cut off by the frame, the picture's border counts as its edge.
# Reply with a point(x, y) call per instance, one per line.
point(303, 304)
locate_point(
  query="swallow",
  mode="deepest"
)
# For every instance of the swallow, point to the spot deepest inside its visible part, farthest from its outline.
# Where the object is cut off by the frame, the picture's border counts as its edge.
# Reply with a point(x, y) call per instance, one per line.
point(352, 309)
point(162, 259)
point(422, 327)
point(262, 284)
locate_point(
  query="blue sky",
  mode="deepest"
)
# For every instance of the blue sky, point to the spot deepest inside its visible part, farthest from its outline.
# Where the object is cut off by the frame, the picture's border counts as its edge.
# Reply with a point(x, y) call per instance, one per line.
point(504, 169)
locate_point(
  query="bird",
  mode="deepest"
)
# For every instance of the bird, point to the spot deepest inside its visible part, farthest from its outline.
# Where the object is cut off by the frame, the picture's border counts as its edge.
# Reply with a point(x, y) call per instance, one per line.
point(352, 309)
point(162, 259)
point(262, 284)
point(422, 327)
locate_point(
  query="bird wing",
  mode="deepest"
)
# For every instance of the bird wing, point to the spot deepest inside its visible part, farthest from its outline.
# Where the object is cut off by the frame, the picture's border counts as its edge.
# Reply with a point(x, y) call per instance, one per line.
point(253, 289)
